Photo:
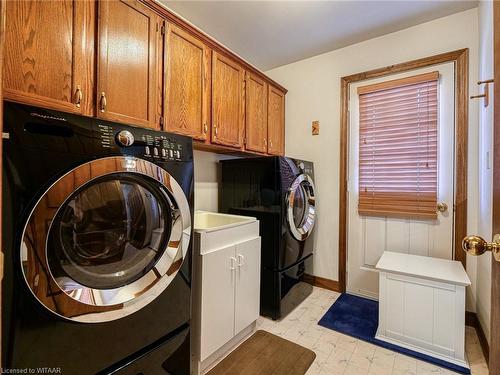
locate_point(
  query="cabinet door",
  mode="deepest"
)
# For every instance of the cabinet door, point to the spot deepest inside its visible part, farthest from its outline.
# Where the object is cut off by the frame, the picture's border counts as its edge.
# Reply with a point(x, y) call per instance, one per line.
point(127, 79)
point(49, 54)
point(227, 101)
point(276, 121)
point(247, 301)
point(256, 113)
point(217, 299)
point(187, 96)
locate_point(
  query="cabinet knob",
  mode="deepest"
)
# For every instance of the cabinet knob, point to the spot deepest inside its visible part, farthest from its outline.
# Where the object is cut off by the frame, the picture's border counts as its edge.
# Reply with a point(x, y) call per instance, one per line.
point(205, 128)
point(215, 129)
point(78, 96)
point(103, 102)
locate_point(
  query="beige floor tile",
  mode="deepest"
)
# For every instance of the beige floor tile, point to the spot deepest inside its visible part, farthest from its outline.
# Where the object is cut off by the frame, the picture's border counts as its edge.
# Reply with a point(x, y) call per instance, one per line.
point(404, 363)
point(307, 340)
point(315, 369)
point(381, 368)
point(360, 361)
point(334, 366)
point(347, 343)
point(424, 368)
point(479, 369)
point(403, 372)
point(352, 369)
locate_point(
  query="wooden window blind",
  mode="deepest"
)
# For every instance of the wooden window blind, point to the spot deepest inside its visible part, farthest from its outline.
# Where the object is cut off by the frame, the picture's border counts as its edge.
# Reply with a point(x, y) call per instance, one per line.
point(398, 147)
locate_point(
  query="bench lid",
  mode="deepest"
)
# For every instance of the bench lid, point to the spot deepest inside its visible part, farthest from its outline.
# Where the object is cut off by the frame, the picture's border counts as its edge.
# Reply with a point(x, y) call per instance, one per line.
point(444, 270)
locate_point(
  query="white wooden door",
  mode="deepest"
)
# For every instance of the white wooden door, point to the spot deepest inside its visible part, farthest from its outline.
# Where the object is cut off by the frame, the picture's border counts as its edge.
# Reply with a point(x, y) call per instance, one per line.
point(247, 302)
point(369, 237)
point(217, 299)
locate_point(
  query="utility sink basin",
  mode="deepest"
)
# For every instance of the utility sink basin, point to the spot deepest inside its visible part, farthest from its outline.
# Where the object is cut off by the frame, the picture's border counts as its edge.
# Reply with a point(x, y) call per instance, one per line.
point(211, 221)
point(214, 231)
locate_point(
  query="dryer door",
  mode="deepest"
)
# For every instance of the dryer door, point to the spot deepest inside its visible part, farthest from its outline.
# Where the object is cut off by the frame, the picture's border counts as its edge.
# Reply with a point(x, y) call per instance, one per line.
point(301, 211)
point(106, 239)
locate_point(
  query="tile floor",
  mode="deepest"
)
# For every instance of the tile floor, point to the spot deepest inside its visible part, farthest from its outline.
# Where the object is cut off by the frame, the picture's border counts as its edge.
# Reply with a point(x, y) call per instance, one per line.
point(340, 354)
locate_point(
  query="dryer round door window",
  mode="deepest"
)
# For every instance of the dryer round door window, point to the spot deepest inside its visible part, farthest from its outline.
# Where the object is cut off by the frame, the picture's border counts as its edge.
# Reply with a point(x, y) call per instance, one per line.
point(106, 239)
point(301, 211)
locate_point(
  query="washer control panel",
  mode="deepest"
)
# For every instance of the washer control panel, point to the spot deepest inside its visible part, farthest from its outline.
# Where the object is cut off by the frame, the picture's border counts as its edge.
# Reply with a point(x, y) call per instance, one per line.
point(161, 147)
point(141, 142)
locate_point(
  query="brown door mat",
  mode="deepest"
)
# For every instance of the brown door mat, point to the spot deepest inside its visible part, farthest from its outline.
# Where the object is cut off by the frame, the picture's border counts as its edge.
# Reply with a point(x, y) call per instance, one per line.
point(266, 354)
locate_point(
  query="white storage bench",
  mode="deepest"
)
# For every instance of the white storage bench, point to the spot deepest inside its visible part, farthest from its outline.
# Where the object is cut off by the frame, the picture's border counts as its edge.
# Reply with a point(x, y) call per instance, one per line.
point(422, 305)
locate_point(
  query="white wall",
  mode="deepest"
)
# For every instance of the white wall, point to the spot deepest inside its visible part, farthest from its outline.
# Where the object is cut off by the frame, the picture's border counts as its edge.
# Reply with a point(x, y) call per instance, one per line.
point(206, 181)
point(483, 286)
point(314, 94)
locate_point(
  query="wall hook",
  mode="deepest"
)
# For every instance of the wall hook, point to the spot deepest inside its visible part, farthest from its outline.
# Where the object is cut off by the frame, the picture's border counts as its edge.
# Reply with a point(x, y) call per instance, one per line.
point(486, 93)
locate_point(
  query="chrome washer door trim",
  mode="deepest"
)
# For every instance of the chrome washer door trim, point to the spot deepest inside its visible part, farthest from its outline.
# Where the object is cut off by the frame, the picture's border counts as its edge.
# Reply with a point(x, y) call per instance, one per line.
point(301, 233)
point(72, 301)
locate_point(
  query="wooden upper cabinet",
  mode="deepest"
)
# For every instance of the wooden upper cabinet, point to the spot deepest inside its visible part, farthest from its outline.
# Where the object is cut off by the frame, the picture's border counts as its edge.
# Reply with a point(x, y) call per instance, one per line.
point(187, 90)
point(129, 50)
point(256, 113)
point(276, 121)
point(49, 54)
point(228, 112)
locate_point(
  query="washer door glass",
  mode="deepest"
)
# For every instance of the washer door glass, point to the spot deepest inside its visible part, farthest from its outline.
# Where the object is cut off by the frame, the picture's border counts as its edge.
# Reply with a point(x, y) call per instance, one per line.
point(110, 233)
point(106, 239)
point(301, 211)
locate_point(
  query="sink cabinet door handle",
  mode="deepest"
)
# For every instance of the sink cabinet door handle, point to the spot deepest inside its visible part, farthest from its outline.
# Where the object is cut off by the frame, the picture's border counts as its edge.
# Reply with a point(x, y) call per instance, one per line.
point(232, 267)
point(241, 259)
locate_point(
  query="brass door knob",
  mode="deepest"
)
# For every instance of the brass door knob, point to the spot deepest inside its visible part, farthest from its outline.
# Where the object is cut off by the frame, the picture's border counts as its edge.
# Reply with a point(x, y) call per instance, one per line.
point(475, 245)
point(442, 207)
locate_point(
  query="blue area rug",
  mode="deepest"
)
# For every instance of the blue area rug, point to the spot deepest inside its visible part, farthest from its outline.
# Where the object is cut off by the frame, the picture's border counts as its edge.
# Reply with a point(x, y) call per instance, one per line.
point(358, 317)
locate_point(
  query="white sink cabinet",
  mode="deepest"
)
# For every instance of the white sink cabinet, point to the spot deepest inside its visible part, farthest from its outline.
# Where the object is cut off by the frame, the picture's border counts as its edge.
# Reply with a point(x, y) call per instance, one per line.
point(226, 281)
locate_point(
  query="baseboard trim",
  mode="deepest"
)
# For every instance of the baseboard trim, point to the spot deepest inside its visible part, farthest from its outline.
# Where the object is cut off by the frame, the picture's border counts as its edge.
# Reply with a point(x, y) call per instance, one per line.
point(472, 320)
point(321, 282)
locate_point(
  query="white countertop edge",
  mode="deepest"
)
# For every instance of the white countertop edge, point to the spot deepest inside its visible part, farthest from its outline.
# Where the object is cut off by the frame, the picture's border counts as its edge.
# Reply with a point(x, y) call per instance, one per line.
point(249, 219)
point(197, 230)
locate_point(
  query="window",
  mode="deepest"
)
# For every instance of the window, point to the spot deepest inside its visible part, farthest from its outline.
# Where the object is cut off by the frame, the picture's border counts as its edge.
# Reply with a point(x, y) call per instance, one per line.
point(398, 147)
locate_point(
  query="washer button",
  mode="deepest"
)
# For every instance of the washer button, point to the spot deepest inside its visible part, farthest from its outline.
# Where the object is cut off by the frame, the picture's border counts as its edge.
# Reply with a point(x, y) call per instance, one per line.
point(155, 151)
point(163, 152)
point(148, 152)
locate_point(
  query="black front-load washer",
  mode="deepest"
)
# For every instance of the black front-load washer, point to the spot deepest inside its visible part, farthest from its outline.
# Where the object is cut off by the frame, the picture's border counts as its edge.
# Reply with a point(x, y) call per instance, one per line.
point(280, 192)
point(97, 222)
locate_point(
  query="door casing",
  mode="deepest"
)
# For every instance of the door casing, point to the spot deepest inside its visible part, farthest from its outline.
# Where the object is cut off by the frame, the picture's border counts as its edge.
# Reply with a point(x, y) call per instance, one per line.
point(494, 357)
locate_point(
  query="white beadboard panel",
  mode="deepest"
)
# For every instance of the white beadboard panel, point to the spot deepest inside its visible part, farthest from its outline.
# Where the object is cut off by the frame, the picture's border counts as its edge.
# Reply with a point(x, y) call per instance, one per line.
point(397, 233)
point(374, 243)
point(418, 315)
point(444, 322)
point(419, 238)
point(395, 306)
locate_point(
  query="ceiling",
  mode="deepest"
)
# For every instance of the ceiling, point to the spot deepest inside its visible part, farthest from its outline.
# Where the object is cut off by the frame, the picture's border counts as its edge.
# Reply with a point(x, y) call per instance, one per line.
point(273, 33)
